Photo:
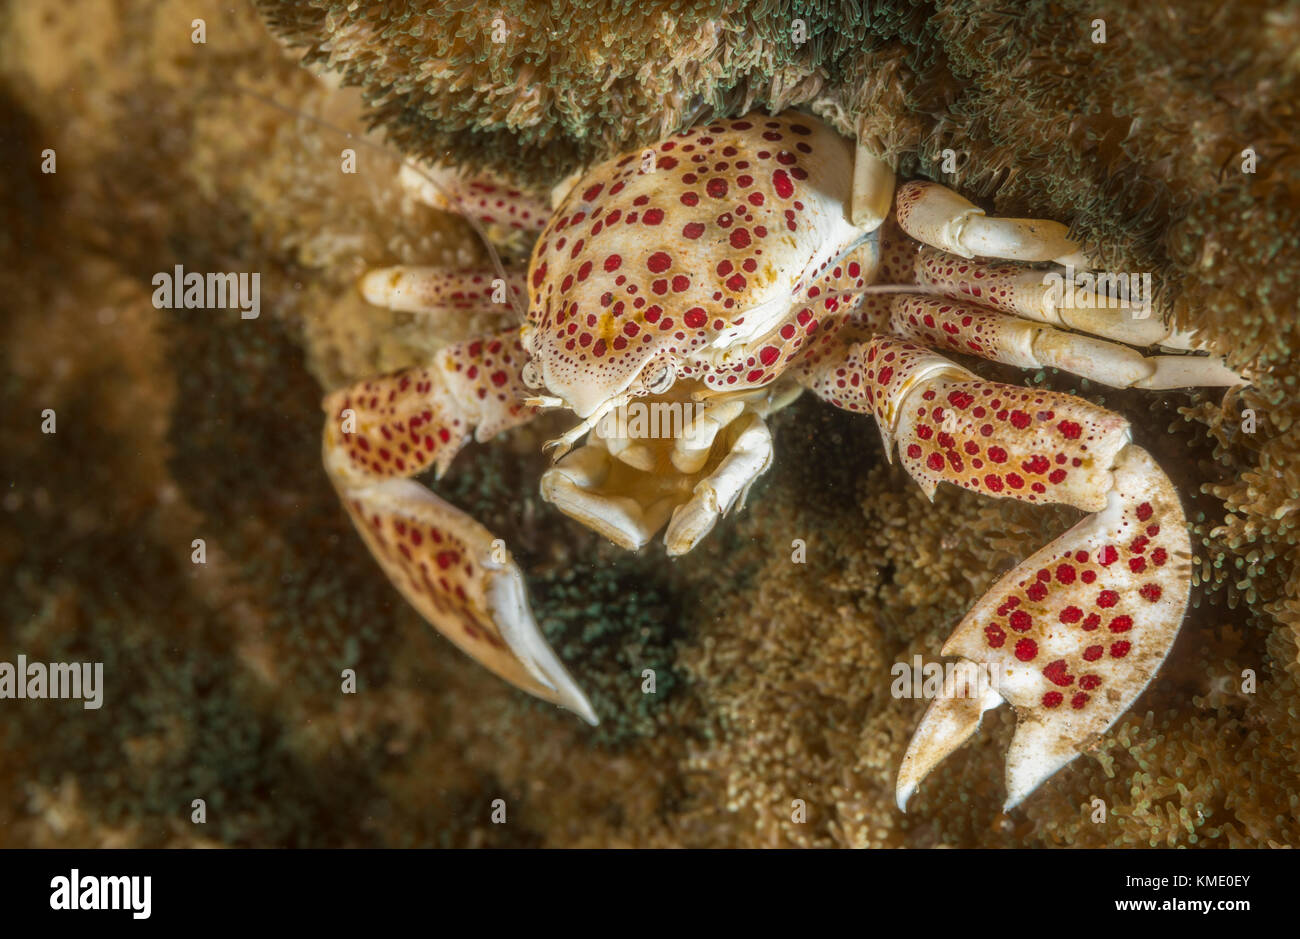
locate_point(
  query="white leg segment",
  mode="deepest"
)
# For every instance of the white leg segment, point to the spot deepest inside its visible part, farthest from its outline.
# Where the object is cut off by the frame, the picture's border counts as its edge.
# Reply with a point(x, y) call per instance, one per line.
point(1039, 295)
point(437, 291)
point(935, 215)
point(958, 327)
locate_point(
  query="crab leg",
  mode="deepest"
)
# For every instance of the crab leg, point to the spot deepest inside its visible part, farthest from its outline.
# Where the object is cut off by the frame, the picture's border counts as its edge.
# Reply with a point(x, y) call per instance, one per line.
point(1037, 295)
point(1074, 633)
point(483, 198)
point(943, 221)
point(438, 291)
point(937, 216)
point(449, 567)
point(1011, 340)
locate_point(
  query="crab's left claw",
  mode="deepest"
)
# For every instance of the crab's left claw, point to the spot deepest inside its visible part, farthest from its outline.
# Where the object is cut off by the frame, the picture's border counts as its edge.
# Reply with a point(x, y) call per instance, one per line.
point(1072, 635)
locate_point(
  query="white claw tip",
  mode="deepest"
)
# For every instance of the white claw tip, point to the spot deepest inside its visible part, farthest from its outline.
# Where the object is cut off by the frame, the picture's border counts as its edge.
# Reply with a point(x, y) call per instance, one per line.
point(582, 707)
point(904, 793)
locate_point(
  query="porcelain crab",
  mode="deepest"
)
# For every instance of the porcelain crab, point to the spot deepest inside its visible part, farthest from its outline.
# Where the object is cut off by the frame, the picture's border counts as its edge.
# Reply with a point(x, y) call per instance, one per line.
point(717, 275)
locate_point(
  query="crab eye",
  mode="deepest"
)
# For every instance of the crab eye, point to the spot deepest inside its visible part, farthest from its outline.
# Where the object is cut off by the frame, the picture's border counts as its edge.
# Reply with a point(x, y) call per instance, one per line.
point(662, 380)
point(531, 376)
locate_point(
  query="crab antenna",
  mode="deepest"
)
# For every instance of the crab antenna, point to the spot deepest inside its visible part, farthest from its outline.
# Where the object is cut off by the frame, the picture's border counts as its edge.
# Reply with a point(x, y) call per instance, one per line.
point(880, 288)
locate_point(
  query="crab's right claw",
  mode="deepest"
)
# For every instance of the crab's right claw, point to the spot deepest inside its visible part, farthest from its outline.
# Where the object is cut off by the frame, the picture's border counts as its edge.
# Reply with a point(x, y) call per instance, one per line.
point(1072, 635)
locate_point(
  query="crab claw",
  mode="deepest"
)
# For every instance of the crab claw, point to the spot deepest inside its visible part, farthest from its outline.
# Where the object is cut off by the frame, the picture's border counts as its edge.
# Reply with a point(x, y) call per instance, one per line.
point(450, 568)
point(464, 582)
point(949, 721)
point(1072, 635)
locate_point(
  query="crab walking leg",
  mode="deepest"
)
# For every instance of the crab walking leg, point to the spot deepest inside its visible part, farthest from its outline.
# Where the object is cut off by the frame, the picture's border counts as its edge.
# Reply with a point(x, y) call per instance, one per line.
point(1046, 297)
point(1041, 295)
point(438, 291)
point(935, 215)
point(1000, 337)
point(449, 567)
point(484, 198)
point(1075, 632)
point(897, 256)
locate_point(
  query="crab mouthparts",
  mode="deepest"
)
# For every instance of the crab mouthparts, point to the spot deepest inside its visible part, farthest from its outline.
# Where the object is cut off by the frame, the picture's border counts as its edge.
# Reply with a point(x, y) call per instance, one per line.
point(561, 445)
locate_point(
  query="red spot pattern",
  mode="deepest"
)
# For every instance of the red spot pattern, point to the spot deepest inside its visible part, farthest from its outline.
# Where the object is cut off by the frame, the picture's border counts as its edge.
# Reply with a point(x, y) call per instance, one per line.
point(997, 439)
point(492, 203)
point(720, 199)
point(619, 237)
point(401, 424)
point(428, 558)
point(712, 195)
point(1061, 598)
